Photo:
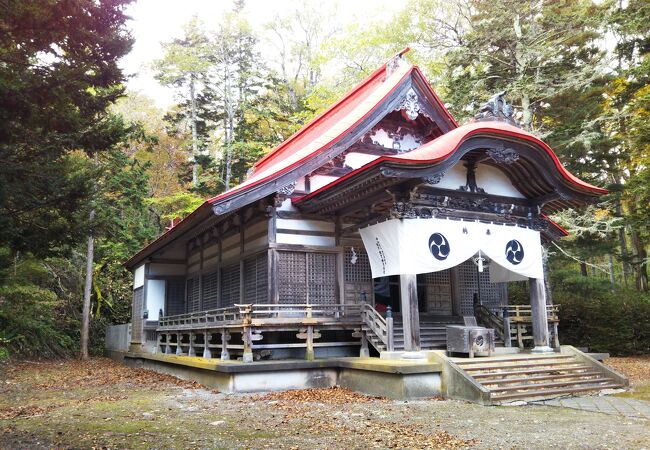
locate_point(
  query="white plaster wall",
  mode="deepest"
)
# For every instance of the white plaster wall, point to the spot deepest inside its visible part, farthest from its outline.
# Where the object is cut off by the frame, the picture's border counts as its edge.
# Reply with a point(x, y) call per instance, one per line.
point(356, 160)
point(157, 269)
point(318, 181)
point(495, 182)
point(454, 177)
point(490, 178)
point(323, 241)
point(155, 297)
point(306, 225)
point(138, 277)
point(287, 206)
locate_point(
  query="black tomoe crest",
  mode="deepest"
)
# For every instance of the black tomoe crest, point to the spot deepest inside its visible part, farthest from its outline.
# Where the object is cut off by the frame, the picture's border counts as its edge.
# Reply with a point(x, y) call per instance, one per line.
point(514, 252)
point(439, 246)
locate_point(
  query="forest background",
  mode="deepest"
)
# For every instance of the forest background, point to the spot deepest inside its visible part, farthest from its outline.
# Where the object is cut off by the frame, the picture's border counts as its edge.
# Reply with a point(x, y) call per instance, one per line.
point(90, 172)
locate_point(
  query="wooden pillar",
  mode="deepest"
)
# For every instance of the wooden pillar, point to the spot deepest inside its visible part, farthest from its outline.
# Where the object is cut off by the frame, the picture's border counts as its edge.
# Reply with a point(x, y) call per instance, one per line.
point(365, 351)
point(206, 345)
point(225, 337)
point(191, 351)
point(410, 313)
point(309, 352)
point(247, 357)
point(179, 350)
point(390, 345)
point(538, 313)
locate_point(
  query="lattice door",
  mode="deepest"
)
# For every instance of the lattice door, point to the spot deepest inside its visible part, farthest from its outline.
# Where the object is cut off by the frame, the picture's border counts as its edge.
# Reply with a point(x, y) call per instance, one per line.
point(307, 277)
point(292, 274)
point(321, 278)
point(358, 276)
point(210, 290)
point(229, 285)
point(193, 292)
point(175, 297)
point(437, 288)
point(468, 278)
point(256, 279)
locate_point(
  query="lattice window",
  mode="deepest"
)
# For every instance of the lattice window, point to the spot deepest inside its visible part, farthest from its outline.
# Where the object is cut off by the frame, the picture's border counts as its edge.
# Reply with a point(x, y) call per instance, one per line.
point(358, 276)
point(321, 278)
point(359, 272)
point(210, 290)
point(175, 297)
point(193, 292)
point(468, 277)
point(442, 277)
point(136, 315)
point(292, 274)
point(230, 285)
point(256, 279)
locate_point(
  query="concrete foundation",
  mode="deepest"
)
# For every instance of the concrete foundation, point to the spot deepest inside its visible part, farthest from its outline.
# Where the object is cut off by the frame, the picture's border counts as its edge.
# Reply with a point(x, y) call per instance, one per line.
point(372, 376)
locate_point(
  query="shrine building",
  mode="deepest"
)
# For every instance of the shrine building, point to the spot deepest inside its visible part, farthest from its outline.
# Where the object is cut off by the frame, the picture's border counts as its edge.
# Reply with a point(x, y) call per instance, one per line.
point(373, 249)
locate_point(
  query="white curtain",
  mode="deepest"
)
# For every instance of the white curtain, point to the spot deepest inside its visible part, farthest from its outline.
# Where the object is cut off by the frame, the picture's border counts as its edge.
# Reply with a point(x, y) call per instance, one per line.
point(412, 246)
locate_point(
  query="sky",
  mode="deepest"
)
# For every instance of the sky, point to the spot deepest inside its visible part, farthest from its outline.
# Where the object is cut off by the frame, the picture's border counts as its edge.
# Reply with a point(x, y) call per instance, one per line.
point(157, 21)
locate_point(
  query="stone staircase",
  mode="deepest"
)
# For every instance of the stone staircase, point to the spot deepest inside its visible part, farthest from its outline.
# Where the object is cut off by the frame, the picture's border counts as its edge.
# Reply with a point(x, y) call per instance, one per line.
point(528, 377)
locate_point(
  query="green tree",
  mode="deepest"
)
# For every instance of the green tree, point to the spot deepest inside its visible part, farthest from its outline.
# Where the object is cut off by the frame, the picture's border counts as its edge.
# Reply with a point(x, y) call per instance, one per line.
point(184, 67)
point(58, 73)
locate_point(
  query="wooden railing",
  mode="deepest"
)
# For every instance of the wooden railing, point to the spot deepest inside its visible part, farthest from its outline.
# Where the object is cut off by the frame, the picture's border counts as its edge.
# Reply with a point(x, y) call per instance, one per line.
point(244, 315)
point(523, 313)
point(515, 319)
point(380, 326)
point(490, 319)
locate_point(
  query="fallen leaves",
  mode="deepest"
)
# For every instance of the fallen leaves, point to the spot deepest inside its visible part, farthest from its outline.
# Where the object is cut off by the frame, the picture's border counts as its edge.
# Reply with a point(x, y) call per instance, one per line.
point(333, 395)
point(94, 373)
point(636, 368)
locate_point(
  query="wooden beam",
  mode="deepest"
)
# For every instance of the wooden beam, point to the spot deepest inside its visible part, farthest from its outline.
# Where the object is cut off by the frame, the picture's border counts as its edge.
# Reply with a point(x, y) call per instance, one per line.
point(410, 313)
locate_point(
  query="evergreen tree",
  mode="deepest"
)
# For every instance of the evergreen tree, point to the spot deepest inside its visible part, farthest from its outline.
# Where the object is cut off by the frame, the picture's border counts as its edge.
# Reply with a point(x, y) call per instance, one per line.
point(58, 73)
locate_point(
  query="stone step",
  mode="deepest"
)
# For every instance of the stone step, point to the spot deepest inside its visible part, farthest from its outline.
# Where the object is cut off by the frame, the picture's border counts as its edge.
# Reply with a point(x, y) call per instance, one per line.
point(554, 392)
point(576, 375)
point(496, 359)
point(522, 365)
point(553, 384)
point(529, 371)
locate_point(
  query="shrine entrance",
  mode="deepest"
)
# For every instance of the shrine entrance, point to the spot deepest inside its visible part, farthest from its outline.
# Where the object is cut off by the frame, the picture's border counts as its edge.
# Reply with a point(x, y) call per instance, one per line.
point(434, 293)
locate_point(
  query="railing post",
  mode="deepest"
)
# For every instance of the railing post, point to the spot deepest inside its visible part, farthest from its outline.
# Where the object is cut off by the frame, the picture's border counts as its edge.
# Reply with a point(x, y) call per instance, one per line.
point(390, 341)
point(507, 338)
point(246, 335)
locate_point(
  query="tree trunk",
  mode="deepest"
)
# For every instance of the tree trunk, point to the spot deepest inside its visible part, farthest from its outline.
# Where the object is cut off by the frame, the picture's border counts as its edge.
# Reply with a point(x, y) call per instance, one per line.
point(639, 259)
point(622, 243)
point(85, 314)
point(195, 150)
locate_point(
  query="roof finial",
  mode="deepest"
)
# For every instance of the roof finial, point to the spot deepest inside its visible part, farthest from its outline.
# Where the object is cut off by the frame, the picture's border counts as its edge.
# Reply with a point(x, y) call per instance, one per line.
point(496, 108)
point(393, 63)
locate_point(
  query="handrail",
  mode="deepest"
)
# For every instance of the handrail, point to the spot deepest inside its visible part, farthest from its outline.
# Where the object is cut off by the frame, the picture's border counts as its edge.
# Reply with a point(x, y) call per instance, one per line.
point(380, 326)
point(243, 314)
point(501, 325)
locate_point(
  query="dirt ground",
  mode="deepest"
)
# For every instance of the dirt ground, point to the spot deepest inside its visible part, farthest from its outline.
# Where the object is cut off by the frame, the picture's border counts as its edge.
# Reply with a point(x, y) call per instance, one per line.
point(101, 404)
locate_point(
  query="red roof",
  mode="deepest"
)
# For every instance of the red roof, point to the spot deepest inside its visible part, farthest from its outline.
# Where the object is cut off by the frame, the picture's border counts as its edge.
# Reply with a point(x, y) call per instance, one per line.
point(317, 135)
point(446, 145)
point(332, 125)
